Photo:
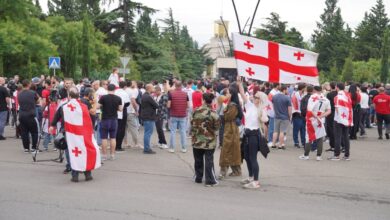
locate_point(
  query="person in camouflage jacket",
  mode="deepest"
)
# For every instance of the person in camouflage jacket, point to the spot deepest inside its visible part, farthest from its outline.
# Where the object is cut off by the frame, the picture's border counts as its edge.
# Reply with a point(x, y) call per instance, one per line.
point(204, 129)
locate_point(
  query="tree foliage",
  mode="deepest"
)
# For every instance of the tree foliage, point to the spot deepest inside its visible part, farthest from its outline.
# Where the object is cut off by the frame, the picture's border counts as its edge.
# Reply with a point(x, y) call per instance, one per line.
point(277, 31)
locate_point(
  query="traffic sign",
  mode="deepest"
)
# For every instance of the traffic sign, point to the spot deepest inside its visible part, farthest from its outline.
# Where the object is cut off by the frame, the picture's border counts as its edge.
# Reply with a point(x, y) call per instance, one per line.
point(124, 71)
point(54, 63)
point(124, 61)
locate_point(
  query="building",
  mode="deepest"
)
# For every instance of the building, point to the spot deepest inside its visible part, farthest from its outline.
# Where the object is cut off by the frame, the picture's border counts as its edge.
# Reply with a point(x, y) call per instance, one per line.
point(219, 51)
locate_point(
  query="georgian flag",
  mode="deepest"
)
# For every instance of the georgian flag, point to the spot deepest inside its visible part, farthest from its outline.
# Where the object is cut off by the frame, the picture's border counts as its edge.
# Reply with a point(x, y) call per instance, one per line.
point(83, 150)
point(272, 62)
point(343, 109)
point(296, 102)
point(315, 128)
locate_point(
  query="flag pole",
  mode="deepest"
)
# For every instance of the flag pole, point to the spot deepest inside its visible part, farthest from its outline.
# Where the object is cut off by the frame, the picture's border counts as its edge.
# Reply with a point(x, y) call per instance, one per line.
point(238, 20)
point(253, 18)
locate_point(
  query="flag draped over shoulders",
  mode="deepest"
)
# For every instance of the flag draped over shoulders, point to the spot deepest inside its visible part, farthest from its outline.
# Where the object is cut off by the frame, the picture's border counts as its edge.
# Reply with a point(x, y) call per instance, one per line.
point(83, 149)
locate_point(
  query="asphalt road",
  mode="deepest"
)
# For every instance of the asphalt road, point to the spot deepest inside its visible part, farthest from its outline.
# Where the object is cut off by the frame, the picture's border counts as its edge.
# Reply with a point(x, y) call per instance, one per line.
point(138, 186)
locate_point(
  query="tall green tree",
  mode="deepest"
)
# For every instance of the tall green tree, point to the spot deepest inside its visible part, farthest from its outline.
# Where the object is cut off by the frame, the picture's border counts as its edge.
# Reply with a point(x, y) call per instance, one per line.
point(369, 33)
point(385, 57)
point(85, 47)
point(331, 39)
point(276, 30)
point(348, 70)
point(73, 10)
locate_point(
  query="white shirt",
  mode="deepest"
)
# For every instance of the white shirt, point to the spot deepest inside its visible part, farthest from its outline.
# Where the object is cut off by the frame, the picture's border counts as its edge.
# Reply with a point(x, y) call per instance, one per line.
point(114, 79)
point(132, 93)
point(125, 99)
point(251, 116)
point(189, 92)
point(364, 100)
point(99, 93)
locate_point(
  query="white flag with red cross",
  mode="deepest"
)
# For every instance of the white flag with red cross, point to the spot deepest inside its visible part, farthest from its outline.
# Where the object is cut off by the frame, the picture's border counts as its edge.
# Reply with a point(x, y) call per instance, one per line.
point(273, 62)
point(83, 149)
point(315, 128)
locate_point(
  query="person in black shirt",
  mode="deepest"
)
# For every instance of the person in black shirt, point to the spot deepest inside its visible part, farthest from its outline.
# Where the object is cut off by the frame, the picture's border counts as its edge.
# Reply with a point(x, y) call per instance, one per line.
point(330, 118)
point(148, 116)
point(27, 117)
point(373, 92)
point(4, 100)
point(110, 105)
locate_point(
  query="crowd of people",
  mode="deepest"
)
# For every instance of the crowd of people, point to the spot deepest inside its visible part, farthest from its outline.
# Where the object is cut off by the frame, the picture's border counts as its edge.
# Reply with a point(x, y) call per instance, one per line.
point(233, 116)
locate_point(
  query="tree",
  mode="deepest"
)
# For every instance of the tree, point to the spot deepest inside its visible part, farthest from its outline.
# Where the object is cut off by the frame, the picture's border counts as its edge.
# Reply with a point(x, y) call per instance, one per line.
point(331, 40)
point(86, 47)
point(276, 30)
point(73, 10)
point(348, 70)
point(369, 33)
point(385, 57)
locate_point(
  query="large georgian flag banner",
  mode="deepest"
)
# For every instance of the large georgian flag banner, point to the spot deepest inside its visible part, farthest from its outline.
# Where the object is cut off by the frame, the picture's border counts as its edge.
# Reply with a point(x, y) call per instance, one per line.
point(272, 62)
point(83, 149)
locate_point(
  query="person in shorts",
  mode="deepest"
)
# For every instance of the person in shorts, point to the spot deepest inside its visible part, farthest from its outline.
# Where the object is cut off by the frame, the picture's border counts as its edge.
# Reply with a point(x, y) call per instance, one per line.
point(283, 112)
point(110, 104)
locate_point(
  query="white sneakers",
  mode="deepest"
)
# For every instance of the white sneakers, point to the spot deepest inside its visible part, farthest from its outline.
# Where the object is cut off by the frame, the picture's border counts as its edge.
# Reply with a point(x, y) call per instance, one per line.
point(163, 146)
point(184, 151)
point(171, 150)
point(303, 157)
point(252, 185)
point(246, 181)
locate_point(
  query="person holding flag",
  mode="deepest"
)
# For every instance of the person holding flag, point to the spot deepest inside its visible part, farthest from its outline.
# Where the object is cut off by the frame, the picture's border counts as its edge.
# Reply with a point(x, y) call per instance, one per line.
point(76, 122)
point(317, 110)
point(342, 122)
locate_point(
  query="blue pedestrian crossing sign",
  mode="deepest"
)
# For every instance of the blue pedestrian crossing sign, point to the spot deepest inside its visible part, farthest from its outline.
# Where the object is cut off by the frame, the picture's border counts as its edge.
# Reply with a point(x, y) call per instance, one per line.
point(54, 63)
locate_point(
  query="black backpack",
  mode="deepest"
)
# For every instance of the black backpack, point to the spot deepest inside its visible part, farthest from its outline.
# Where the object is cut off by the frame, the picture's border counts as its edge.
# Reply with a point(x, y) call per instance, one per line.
point(304, 103)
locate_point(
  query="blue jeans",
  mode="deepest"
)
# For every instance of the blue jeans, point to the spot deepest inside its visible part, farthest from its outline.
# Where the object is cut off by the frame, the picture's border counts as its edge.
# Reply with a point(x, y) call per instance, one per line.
point(97, 131)
point(148, 126)
point(299, 127)
point(3, 120)
point(270, 129)
point(46, 139)
point(179, 123)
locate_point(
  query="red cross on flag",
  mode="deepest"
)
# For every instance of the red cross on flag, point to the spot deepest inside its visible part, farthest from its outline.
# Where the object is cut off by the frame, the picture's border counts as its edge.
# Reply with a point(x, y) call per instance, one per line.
point(272, 62)
point(83, 149)
point(315, 128)
point(343, 109)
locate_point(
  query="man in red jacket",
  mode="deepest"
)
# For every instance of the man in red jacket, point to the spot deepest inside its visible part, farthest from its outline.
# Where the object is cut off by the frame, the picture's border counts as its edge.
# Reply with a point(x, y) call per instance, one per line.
point(382, 108)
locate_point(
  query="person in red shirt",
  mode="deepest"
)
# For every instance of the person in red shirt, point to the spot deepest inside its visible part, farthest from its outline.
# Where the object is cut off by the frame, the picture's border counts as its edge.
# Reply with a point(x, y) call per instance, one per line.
point(46, 93)
point(197, 97)
point(382, 108)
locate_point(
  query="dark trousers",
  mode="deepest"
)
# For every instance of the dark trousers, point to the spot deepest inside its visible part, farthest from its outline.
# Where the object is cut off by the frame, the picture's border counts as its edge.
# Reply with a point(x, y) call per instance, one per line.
point(356, 123)
point(204, 161)
point(341, 133)
point(364, 113)
point(251, 147)
point(299, 127)
point(319, 143)
point(29, 126)
point(330, 129)
point(160, 131)
point(221, 130)
point(120, 135)
point(380, 119)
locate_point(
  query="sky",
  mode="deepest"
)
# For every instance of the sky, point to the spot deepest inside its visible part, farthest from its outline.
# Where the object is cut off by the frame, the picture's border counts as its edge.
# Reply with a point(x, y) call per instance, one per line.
point(199, 15)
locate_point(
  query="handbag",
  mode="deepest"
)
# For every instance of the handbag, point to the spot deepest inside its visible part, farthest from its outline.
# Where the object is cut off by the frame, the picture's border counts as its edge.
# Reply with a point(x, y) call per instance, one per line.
point(60, 141)
point(263, 146)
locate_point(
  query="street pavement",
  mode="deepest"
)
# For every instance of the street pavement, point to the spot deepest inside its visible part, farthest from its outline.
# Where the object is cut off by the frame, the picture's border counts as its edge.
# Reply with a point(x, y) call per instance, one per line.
point(138, 186)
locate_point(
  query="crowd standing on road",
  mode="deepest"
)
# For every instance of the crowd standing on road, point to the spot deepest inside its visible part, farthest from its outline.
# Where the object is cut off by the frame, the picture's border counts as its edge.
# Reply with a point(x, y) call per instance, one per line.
point(236, 117)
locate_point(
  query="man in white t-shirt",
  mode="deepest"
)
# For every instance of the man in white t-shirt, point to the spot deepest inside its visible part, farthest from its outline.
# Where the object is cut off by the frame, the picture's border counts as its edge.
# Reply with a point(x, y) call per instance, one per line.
point(132, 129)
point(114, 77)
point(100, 88)
point(364, 111)
point(122, 115)
point(188, 89)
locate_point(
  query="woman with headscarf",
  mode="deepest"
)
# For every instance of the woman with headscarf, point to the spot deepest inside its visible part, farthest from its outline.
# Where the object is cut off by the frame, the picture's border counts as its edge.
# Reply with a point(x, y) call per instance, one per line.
point(255, 117)
point(231, 152)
